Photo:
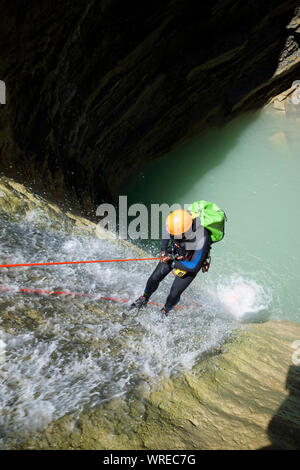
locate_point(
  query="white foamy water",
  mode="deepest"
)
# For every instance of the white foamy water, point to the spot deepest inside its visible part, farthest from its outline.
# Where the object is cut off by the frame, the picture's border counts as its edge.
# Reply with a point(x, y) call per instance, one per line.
point(243, 298)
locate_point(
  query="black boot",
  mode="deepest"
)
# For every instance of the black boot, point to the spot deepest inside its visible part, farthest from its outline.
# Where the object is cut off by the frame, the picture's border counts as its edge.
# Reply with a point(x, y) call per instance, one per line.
point(140, 302)
point(164, 313)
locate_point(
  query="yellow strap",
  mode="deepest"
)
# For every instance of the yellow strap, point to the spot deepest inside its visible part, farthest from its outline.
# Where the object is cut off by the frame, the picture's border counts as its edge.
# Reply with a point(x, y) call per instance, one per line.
point(179, 273)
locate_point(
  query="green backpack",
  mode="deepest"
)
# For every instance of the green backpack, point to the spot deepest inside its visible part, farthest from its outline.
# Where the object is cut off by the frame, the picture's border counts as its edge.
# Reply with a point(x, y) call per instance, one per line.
point(211, 217)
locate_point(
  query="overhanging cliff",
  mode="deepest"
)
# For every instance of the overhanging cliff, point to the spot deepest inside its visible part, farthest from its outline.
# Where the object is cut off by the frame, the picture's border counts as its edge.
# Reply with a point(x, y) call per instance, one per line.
point(96, 89)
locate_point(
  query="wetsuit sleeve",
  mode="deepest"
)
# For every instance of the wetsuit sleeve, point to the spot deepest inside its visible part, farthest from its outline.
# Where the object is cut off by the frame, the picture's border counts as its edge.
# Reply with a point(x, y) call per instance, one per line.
point(165, 239)
point(198, 257)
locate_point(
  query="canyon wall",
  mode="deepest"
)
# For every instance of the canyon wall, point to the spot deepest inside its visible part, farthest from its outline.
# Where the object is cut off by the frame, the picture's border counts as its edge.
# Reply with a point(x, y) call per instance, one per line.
point(97, 89)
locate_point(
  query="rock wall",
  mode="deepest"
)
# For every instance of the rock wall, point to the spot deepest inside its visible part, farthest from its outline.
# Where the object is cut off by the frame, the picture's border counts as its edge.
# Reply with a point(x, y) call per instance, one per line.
point(96, 89)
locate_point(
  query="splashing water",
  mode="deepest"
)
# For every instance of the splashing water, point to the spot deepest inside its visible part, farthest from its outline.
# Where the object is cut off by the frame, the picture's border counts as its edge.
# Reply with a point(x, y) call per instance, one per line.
point(243, 298)
point(60, 354)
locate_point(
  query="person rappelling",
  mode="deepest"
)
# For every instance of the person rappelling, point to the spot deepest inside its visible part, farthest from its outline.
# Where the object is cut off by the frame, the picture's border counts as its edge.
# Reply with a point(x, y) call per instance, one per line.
point(186, 241)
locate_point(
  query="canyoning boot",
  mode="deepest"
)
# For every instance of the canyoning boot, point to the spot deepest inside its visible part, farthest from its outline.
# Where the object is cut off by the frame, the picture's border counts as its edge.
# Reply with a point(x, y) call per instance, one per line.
point(163, 314)
point(139, 303)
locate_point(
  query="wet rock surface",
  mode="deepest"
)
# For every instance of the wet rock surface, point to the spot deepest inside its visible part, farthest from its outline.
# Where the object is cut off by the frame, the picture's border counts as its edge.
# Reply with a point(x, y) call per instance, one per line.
point(245, 397)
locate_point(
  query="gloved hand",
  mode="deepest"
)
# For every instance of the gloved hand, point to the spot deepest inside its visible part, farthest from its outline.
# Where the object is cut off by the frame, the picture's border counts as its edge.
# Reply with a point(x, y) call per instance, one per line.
point(168, 259)
point(171, 257)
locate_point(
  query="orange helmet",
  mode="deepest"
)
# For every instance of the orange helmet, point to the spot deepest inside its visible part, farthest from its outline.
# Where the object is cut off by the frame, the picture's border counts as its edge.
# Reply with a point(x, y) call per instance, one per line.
point(178, 222)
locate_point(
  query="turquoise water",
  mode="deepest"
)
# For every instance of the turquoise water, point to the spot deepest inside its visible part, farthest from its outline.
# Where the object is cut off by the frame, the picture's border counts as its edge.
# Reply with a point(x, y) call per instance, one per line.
point(251, 168)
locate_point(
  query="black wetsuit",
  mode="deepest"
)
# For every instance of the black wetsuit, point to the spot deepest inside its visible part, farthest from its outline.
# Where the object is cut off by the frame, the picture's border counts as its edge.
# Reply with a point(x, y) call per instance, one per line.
point(195, 250)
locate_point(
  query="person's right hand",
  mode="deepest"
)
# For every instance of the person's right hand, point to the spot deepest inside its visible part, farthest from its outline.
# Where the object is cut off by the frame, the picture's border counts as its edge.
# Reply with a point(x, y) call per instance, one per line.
point(171, 258)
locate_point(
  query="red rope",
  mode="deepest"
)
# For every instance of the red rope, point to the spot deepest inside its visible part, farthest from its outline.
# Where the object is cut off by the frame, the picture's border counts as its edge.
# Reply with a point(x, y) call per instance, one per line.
point(76, 262)
point(77, 294)
point(73, 294)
